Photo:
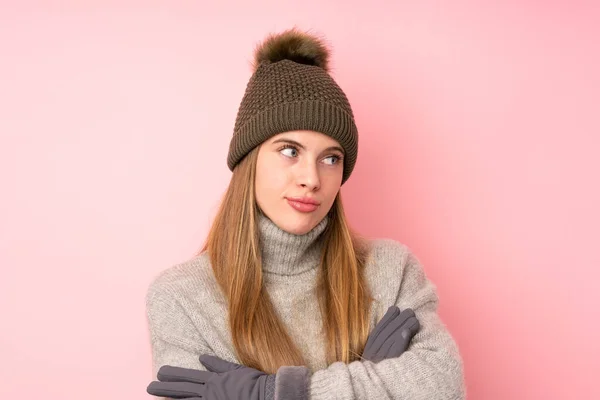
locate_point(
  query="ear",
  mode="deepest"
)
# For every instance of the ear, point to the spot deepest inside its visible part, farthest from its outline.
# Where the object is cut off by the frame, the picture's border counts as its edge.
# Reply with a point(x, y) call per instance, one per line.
point(216, 364)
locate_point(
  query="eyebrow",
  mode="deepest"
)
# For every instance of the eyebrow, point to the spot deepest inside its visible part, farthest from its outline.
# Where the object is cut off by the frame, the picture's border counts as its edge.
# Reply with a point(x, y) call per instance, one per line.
point(304, 148)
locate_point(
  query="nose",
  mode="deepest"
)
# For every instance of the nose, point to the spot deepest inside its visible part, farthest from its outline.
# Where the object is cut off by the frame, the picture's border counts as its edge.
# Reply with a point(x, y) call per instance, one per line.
point(307, 175)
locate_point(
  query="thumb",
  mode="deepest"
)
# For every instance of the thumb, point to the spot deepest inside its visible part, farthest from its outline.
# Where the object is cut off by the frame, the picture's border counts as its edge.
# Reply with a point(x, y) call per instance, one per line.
point(216, 364)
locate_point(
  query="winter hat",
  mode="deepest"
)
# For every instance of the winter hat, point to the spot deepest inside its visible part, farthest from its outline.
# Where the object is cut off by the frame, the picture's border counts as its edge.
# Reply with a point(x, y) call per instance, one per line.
point(291, 89)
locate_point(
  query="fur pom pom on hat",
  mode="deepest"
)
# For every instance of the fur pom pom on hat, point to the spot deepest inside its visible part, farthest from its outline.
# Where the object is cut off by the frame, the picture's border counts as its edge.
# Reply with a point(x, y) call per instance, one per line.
point(292, 45)
point(291, 89)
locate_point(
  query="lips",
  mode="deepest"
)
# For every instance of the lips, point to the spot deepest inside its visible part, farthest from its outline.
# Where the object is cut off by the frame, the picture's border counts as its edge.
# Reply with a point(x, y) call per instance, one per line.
point(303, 204)
point(305, 200)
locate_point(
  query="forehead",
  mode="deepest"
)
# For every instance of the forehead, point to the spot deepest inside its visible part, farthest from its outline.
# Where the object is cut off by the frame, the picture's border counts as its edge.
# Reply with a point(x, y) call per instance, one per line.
point(306, 138)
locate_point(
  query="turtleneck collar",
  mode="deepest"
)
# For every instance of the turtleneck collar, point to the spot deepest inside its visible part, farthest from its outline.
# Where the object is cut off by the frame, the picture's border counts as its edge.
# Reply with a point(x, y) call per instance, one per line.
point(284, 253)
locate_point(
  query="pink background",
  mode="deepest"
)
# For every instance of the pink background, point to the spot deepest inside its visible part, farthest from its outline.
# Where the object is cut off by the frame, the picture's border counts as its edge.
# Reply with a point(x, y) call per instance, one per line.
point(479, 126)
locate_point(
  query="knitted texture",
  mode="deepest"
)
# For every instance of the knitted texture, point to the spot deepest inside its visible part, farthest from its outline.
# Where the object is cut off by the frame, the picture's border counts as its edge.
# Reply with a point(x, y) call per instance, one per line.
point(270, 387)
point(285, 96)
point(188, 316)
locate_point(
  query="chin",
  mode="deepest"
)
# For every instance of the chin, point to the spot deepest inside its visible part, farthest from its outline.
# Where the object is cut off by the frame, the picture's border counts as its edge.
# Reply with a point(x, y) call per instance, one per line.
point(298, 225)
point(298, 230)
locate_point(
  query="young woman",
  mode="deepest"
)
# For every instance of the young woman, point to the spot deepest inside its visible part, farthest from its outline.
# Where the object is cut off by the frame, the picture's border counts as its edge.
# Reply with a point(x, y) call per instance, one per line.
point(285, 301)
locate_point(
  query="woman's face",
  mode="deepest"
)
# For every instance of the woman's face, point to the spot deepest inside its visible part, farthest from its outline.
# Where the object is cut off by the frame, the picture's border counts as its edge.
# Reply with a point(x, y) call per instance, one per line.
point(293, 170)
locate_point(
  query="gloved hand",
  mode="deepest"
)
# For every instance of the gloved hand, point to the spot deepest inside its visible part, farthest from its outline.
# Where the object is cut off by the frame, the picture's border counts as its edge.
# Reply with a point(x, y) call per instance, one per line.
point(225, 381)
point(391, 335)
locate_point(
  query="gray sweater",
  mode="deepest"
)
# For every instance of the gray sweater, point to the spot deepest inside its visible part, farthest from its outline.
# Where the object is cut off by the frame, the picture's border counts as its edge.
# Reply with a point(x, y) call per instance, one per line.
point(187, 317)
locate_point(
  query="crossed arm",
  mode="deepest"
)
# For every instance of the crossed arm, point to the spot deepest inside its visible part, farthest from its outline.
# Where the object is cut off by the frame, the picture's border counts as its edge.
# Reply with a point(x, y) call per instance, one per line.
point(431, 368)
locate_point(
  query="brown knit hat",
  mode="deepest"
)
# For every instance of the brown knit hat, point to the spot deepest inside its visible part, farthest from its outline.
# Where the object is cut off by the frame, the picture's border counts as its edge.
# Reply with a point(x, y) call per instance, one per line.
point(291, 89)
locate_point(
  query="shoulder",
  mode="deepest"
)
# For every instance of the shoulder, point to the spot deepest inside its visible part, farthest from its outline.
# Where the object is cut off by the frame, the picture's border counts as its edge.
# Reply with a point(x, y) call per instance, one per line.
point(393, 270)
point(182, 279)
point(384, 265)
point(175, 316)
point(388, 257)
point(384, 249)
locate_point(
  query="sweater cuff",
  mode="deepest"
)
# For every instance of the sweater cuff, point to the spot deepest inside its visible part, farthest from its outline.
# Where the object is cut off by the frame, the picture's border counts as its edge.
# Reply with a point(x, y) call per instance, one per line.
point(291, 383)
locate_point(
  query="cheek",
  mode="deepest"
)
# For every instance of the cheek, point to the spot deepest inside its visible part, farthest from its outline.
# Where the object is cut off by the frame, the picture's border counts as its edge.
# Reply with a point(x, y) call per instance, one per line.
point(331, 184)
point(271, 181)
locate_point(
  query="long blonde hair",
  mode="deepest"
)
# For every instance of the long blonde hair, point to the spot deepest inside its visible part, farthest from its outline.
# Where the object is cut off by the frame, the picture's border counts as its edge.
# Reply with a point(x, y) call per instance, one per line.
point(259, 337)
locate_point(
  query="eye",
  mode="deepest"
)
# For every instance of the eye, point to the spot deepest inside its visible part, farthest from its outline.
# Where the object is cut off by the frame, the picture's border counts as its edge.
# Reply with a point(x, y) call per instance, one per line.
point(334, 159)
point(289, 151)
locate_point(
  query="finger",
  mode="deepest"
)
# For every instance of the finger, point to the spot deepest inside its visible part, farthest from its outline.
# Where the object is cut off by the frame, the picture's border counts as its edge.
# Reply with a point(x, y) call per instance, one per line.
point(407, 333)
point(216, 364)
point(402, 341)
point(413, 326)
point(175, 390)
point(168, 373)
point(398, 341)
point(391, 313)
point(401, 344)
point(390, 348)
point(392, 327)
point(410, 328)
point(384, 352)
point(369, 351)
point(389, 316)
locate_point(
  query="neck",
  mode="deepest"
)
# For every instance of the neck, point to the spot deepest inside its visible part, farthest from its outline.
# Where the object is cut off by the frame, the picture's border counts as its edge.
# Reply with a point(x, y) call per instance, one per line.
point(284, 253)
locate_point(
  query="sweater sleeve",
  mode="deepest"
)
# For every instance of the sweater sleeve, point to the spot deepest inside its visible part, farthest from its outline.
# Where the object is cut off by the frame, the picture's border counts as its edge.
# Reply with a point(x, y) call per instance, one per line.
point(174, 339)
point(431, 368)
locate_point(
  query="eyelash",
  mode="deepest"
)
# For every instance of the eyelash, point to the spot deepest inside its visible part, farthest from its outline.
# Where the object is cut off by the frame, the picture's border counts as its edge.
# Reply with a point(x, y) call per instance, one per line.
point(338, 158)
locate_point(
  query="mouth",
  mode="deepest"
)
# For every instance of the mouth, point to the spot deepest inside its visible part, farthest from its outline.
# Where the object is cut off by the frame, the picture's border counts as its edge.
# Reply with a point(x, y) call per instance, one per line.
point(305, 200)
point(304, 205)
